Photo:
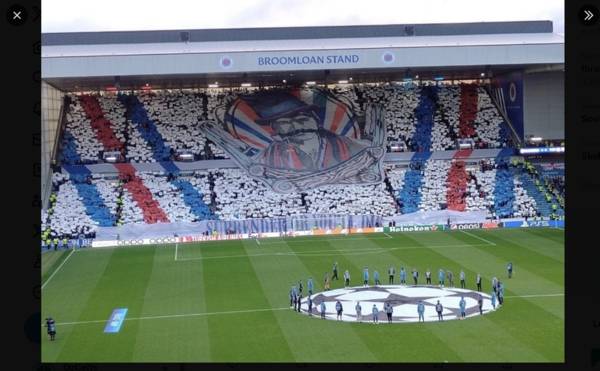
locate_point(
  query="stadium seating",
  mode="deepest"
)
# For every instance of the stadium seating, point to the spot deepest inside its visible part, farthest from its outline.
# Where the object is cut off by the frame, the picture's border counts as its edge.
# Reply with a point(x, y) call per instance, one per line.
point(148, 145)
point(468, 110)
point(433, 192)
point(351, 199)
point(480, 188)
point(426, 184)
point(525, 205)
point(409, 197)
point(178, 118)
point(539, 190)
point(457, 186)
point(138, 192)
point(504, 191)
point(424, 113)
point(196, 195)
point(95, 124)
point(100, 124)
point(237, 196)
point(80, 144)
point(400, 114)
point(69, 215)
point(153, 126)
point(490, 129)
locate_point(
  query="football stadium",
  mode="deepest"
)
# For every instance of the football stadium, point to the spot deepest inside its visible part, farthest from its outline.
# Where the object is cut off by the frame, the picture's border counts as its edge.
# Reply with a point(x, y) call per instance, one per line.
point(376, 193)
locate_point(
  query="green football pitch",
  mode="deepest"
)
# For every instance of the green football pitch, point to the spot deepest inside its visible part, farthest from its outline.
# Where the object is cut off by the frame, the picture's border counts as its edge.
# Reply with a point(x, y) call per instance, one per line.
point(228, 301)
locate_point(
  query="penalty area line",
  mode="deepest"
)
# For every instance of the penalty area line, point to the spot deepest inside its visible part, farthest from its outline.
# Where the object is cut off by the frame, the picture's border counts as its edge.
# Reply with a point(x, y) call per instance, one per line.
point(332, 252)
point(387, 235)
point(57, 269)
point(479, 238)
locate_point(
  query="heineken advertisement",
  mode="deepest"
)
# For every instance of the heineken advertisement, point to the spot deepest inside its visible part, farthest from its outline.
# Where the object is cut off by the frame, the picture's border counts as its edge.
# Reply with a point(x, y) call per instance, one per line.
point(415, 228)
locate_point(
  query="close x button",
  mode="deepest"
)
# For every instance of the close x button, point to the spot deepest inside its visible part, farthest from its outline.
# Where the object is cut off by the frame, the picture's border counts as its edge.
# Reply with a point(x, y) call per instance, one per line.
point(16, 15)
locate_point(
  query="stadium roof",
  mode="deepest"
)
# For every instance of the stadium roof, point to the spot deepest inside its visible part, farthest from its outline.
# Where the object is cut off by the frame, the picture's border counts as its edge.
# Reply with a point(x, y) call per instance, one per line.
point(299, 44)
point(195, 57)
point(293, 33)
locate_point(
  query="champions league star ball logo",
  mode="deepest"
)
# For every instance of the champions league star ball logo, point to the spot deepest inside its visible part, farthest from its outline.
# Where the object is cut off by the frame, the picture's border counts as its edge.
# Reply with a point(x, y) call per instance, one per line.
point(294, 140)
point(403, 299)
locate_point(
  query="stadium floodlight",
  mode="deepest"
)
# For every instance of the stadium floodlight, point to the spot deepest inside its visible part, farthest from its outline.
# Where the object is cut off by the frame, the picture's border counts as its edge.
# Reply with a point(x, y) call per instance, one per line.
point(284, 81)
point(535, 139)
point(542, 150)
point(343, 82)
point(215, 85)
point(416, 76)
point(311, 83)
point(350, 78)
point(438, 78)
point(111, 156)
point(186, 156)
point(246, 85)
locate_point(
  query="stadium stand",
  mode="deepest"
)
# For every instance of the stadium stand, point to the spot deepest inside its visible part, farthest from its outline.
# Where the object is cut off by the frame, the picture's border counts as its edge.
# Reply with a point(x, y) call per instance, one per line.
point(457, 186)
point(504, 191)
point(237, 196)
point(409, 197)
point(351, 199)
point(80, 143)
point(421, 139)
point(178, 117)
point(149, 144)
point(480, 188)
point(153, 126)
point(69, 215)
point(150, 127)
point(433, 192)
point(495, 186)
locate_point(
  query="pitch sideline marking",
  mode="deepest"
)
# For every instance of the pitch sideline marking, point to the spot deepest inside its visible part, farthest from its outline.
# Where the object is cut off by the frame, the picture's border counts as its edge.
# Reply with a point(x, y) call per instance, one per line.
point(533, 296)
point(57, 269)
point(176, 316)
point(257, 241)
point(479, 238)
point(387, 235)
point(242, 311)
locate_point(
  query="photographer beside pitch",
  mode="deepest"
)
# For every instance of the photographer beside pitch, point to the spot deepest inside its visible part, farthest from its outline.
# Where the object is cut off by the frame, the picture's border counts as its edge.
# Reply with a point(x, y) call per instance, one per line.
point(51, 325)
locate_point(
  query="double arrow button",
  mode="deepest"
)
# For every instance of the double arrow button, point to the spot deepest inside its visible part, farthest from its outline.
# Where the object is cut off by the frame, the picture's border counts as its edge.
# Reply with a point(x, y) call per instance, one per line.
point(588, 15)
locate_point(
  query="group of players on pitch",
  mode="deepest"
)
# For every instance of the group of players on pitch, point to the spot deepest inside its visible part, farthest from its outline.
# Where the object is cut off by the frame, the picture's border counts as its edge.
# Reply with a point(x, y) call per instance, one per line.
point(497, 294)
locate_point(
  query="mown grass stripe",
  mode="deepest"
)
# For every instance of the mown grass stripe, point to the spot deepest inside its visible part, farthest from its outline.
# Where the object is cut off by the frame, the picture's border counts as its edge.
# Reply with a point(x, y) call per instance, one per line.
point(123, 284)
point(378, 341)
point(480, 348)
point(50, 261)
point(307, 337)
point(240, 338)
